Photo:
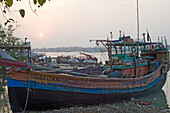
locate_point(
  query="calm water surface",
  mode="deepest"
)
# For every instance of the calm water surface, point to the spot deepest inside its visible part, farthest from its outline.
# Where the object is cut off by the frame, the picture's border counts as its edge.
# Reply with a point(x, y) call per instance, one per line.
point(160, 98)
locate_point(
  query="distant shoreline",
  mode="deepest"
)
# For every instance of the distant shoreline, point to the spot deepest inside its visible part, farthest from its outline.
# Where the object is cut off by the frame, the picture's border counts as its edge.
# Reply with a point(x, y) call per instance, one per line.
point(73, 49)
point(70, 49)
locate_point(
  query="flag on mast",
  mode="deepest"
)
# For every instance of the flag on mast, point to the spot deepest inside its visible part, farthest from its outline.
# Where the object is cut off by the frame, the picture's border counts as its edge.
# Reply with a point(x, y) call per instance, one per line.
point(148, 36)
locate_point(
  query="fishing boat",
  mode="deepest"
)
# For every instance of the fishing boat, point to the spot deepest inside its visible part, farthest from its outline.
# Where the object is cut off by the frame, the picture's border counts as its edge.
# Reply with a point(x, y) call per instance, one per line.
point(125, 75)
point(134, 69)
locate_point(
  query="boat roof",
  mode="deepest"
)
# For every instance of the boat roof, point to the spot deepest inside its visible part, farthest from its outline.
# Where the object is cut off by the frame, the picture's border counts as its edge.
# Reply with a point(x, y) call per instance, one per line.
point(121, 42)
point(133, 43)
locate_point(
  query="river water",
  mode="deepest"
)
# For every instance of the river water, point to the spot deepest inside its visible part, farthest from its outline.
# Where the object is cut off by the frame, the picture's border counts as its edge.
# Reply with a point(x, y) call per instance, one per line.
point(160, 98)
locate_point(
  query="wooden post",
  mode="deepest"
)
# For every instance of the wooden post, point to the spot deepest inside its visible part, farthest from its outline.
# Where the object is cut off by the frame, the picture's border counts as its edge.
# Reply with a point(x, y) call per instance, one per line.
point(144, 39)
point(125, 49)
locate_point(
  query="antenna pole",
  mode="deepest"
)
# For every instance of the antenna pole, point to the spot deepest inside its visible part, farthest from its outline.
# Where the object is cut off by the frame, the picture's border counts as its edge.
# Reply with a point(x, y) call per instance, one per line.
point(138, 30)
point(111, 35)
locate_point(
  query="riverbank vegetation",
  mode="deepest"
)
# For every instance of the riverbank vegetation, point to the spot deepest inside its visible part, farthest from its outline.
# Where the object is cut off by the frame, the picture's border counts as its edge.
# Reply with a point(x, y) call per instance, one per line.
point(13, 46)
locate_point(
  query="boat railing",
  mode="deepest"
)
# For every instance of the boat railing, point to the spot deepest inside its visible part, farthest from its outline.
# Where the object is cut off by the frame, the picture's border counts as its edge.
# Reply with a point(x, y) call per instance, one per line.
point(83, 76)
point(97, 83)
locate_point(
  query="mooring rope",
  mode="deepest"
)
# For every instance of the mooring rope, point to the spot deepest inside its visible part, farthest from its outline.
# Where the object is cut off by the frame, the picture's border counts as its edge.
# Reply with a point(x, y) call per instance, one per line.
point(102, 53)
point(26, 101)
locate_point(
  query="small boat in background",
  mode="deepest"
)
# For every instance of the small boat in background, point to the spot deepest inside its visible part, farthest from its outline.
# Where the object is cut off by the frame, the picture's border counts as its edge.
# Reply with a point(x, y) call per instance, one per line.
point(62, 59)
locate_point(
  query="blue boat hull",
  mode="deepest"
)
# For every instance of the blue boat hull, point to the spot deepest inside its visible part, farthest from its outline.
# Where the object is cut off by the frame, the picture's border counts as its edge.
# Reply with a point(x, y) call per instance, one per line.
point(46, 97)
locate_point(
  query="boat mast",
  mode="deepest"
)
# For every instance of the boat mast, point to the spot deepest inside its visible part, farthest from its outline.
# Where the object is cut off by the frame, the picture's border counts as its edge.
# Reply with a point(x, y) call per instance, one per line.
point(111, 62)
point(138, 31)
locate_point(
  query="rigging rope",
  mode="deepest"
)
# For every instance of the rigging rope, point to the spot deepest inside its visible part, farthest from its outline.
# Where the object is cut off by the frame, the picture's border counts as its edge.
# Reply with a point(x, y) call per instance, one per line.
point(26, 101)
point(132, 26)
point(102, 53)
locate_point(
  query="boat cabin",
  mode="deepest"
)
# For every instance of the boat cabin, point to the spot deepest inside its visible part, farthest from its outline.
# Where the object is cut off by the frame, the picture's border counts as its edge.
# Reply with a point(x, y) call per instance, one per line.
point(129, 59)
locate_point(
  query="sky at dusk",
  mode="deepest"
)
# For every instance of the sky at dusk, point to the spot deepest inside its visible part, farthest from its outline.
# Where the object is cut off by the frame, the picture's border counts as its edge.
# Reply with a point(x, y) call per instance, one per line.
point(74, 22)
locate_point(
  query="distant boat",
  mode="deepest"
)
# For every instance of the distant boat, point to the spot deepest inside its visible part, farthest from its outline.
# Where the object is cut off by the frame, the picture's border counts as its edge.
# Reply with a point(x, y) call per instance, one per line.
point(90, 61)
point(52, 64)
point(73, 60)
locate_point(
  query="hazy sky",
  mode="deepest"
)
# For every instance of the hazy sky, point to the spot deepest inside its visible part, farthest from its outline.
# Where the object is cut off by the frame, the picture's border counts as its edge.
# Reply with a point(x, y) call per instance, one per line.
point(75, 22)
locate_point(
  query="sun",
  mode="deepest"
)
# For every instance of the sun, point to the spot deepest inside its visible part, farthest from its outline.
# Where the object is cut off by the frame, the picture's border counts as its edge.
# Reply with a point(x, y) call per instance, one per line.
point(41, 35)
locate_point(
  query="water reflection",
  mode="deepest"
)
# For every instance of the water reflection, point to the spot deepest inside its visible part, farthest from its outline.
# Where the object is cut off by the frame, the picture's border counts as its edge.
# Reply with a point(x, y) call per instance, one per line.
point(160, 98)
point(157, 99)
point(166, 89)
